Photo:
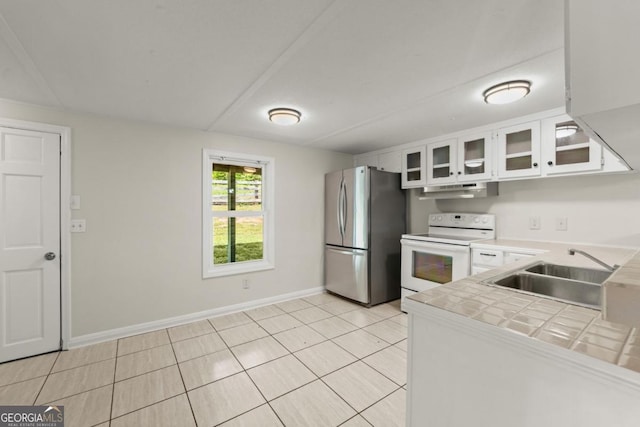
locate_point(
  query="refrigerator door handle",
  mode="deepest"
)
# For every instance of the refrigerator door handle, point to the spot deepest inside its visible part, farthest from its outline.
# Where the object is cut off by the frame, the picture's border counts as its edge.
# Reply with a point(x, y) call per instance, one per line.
point(344, 208)
point(341, 208)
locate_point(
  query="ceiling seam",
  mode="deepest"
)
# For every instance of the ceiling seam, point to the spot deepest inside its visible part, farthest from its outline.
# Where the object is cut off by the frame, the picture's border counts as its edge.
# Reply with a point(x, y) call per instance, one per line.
point(25, 61)
point(424, 100)
point(327, 15)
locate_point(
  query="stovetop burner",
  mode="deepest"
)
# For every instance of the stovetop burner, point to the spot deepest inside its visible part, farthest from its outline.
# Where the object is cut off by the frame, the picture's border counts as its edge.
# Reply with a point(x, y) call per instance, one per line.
point(457, 228)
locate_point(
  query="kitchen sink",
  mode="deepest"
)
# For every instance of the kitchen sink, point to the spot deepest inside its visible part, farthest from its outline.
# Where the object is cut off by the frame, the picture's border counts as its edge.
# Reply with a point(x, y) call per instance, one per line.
point(574, 285)
point(567, 290)
point(582, 274)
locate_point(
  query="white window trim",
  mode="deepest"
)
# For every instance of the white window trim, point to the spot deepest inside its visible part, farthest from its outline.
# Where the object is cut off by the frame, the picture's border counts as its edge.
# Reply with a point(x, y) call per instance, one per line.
point(268, 262)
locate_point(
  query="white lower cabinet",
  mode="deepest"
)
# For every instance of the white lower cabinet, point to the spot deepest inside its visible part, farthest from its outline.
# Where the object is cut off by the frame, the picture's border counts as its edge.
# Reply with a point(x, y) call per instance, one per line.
point(486, 257)
point(510, 257)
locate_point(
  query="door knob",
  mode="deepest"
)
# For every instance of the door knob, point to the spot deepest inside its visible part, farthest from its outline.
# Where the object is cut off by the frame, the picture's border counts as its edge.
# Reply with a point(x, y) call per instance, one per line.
point(49, 256)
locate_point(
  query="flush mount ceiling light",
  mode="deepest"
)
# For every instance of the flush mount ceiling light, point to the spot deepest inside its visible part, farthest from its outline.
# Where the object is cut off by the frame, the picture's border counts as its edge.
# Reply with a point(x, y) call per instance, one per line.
point(507, 92)
point(284, 116)
point(564, 131)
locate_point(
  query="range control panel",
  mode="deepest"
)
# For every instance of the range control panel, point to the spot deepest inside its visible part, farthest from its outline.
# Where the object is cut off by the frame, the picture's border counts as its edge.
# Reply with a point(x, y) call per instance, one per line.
point(463, 220)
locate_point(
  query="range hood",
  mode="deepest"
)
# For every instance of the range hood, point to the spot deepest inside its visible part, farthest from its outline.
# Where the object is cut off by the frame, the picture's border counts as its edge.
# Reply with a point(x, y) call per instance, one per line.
point(460, 191)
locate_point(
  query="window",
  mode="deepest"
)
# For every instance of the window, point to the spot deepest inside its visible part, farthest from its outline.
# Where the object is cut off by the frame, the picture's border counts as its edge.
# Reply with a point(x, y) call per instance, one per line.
point(237, 213)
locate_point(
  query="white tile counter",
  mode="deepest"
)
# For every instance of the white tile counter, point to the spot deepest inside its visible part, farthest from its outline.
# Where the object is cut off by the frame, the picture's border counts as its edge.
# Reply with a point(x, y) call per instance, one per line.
point(543, 318)
point(482, 354)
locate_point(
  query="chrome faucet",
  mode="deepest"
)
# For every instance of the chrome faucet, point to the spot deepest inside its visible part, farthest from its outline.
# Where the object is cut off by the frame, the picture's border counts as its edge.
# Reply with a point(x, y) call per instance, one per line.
point(594, 259)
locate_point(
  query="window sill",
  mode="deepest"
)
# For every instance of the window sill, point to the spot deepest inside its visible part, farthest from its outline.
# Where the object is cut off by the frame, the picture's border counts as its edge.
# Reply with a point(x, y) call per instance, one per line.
point(239, 268)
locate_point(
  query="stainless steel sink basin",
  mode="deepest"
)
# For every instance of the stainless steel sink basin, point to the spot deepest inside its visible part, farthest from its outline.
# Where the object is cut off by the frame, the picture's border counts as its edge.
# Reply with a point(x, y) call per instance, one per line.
point(567, 290)
point(590, 275)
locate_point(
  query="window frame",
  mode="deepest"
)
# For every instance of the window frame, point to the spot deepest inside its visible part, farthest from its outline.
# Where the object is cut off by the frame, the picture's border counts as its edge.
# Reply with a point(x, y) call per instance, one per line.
point(209, 269)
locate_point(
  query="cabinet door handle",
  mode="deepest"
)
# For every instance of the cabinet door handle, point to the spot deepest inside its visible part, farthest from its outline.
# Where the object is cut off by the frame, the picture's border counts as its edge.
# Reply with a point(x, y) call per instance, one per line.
point(483, 254)
point(550, 163)
point(535, 165)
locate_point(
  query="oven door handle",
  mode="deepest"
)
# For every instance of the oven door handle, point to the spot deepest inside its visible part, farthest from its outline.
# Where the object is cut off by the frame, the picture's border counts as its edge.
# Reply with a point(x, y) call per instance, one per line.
point(433, 247)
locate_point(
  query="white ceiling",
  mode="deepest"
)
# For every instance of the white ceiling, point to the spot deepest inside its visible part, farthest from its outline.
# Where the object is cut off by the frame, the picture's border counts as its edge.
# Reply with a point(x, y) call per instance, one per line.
point(366, 74)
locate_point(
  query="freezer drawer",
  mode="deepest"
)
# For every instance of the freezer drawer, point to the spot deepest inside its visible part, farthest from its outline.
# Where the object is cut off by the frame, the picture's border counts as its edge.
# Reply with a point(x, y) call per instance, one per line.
point(345, 273)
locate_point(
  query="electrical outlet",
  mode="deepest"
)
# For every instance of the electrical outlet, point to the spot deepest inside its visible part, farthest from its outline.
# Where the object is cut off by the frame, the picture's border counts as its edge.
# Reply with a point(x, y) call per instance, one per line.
point(561, 223)
point(534, 223)
point(245, 284)
point(78, 225)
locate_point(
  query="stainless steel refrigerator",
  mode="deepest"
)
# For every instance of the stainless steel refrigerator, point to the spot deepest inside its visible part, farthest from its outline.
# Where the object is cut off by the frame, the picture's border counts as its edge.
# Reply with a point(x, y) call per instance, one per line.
point(365, 217)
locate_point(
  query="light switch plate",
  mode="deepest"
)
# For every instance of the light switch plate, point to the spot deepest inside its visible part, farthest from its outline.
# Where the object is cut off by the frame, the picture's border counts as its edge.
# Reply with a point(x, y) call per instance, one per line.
point(75, 202)
point(561, 223)
point(534, 223)
point(78, 225)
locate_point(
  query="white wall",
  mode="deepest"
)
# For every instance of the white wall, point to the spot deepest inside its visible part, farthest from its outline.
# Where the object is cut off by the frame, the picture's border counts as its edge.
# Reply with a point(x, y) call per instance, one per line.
point(601, 209)
point(140, 186)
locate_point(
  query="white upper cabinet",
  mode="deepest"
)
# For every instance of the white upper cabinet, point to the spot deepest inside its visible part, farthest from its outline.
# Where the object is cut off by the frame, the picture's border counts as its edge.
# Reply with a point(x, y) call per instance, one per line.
point(567, 149)
point(442, 162)
point(366, 160)
point(535, 146)
point(414, 167)
point(519, 151)
point(390, 162)
point(475, 157)
point(464, 159)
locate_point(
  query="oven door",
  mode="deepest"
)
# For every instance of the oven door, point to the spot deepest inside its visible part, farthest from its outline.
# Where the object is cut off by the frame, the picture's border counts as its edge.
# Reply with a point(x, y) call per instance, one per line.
point(426, 265)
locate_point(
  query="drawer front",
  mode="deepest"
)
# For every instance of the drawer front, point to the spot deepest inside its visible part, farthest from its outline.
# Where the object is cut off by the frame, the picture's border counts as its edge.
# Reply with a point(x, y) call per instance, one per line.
point(510, 257)
point(487, 257)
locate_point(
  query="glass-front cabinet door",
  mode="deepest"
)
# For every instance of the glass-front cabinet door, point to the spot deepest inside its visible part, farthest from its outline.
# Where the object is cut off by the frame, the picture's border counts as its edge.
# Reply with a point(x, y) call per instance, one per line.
point(414, 167)
point(519, 150)
point(442, 162)
point(474, 157)
point(566, 148)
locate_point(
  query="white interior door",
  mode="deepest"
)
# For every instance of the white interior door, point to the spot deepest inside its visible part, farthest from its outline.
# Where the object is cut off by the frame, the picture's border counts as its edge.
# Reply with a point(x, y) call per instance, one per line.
point(29, 243)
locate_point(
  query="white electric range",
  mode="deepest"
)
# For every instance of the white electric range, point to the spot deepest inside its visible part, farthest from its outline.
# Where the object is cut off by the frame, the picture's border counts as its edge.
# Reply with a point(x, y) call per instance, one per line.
point(443, 254)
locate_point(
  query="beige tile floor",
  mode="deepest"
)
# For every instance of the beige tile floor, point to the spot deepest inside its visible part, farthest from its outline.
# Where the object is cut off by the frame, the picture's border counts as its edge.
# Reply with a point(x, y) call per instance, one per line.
point(315, 361)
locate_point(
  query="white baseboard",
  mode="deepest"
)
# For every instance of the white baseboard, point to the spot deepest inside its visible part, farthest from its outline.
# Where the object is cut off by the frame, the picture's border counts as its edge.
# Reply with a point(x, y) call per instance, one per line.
point(141, 328)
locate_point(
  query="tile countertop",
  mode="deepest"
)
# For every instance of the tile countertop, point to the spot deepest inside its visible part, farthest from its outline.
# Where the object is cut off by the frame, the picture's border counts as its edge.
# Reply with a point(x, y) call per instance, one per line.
point(570, 326)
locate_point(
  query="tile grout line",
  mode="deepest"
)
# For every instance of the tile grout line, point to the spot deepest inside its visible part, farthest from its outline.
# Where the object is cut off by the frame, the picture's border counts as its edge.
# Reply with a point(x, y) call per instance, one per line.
point(354, 417)
point(382, 318)
point(175, 356)
point(267, 401)
point(46, 379)
point(378, 401)
point(113, 386)
point(317, 377)
point(142, 407)
point(358, 359)
point(151, 404)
